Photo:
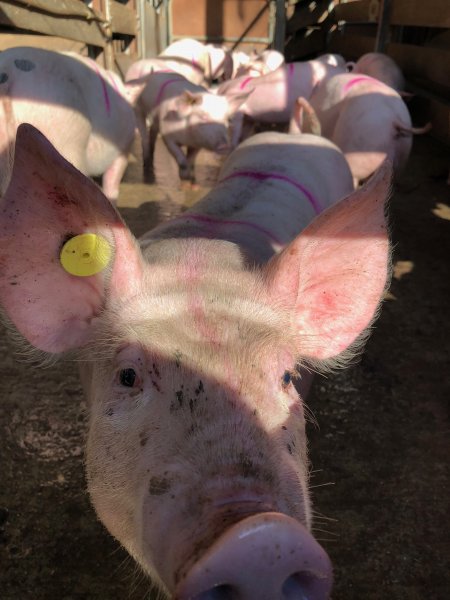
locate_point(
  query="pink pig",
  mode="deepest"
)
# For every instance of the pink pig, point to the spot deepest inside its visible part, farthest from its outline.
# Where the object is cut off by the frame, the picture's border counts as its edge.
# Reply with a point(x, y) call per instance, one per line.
point(381, 67)
point(186, 115)
point(367, 120)
point(198, 62)
point(257, 63)
point(196, 454)
point(273, 97)
point(79, 106)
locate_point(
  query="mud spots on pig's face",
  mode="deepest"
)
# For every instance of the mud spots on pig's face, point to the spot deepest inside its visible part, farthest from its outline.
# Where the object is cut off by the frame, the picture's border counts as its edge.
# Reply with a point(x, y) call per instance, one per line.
point(23, 64)
point(60, 196)
point(158, 486)
point(3, 78)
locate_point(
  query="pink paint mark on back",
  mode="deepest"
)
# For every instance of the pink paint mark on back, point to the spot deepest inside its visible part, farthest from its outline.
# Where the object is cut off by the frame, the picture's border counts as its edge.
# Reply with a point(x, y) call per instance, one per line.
point(113, 82)
point(163, 86)
point(357, 80)
point(245, 82)
point(290, 74)
point(104, 88)
point(261, 176)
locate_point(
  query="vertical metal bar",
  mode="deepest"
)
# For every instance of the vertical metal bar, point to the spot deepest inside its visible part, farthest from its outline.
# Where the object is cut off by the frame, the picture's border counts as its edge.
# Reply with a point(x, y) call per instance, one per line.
point(383, 32)
point(140, 30)
point(109, 50)
point(280, 26)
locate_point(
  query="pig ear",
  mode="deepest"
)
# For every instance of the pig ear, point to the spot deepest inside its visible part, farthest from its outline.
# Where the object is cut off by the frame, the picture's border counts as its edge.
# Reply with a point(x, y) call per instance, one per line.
point(189, 99)
point(236, 100)
point(332, 276)
point(47, 203)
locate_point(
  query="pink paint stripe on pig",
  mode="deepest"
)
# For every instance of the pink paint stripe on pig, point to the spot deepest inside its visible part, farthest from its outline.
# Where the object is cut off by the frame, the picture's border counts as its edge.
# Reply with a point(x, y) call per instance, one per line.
point(245, 82)
point(213, 221)
point(263, 176)
point(104, 88)
point(196, 65)
point(113, 82)
point(163, 87)
point(357, 80)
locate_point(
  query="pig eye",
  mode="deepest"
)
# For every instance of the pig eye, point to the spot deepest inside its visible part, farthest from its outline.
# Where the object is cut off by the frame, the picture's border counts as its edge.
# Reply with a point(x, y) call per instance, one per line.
point(127, 377)
point(286, 379)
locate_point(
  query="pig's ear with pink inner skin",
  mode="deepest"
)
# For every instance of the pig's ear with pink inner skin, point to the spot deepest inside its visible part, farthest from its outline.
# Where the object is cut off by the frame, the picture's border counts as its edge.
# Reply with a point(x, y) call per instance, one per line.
point(331, 277)
point(47, 203)
point(235, 100)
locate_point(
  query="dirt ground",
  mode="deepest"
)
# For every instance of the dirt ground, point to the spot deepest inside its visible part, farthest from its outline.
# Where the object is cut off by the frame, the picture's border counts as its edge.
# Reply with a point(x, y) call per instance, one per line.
point(380, 453)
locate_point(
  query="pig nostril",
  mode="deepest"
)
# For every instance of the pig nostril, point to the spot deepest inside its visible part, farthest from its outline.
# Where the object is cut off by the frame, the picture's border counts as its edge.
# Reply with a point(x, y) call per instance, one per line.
point(219, 592)
point(299, 586)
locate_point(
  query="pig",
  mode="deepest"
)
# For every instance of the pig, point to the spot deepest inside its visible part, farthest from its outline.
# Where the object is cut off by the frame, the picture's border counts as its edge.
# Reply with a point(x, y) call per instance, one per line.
point(199, 63)
point(260, 63)
point(273, 96)
point(185, 115)
point(221, 62)
point(304, 118)
point(381, 67)
point(189, 344)
point(367, 120)
point(240, 60)
point(79, 106)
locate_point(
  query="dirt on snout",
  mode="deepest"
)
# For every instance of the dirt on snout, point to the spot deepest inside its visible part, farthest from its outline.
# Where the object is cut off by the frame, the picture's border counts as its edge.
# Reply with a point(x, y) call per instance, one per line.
point(379, 455)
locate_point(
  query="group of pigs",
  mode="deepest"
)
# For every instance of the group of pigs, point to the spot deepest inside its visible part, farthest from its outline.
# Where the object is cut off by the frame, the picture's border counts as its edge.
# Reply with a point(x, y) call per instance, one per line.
point(194, 344)
point(197, 96)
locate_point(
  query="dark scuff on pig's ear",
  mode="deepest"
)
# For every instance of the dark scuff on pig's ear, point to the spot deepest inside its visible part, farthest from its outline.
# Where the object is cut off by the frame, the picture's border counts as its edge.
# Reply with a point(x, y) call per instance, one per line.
point(48, 203)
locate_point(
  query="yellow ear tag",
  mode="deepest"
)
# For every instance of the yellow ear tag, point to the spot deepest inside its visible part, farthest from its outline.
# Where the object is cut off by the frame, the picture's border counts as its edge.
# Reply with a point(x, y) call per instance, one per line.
point(85, 254)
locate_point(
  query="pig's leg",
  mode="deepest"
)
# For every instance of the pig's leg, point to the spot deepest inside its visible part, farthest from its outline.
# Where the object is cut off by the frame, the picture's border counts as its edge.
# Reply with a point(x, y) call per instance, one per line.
point(144, 135)
point(113, 176)
point(236, 124)
point(165, 167)
point(191, 157)
point(152, 136)
point(304, 118)
point(179, 156)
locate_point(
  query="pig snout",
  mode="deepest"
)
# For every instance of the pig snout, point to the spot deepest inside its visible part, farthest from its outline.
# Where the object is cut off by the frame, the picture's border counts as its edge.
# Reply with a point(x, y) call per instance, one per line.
point(268, 556)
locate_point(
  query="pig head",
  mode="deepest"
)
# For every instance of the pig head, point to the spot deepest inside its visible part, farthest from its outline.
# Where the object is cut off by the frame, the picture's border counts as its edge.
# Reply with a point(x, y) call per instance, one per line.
point(382, 67)
point(196, 454)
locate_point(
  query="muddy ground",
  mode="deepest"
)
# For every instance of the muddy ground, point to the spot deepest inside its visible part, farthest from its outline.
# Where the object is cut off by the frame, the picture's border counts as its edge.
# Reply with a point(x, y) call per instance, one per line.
point(380, 454)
